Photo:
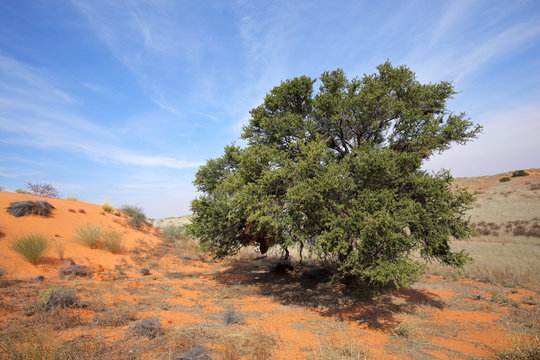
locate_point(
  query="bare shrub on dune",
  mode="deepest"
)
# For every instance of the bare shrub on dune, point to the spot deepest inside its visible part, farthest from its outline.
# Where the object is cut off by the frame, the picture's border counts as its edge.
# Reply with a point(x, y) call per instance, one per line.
point(45, 190)
point(25, 208)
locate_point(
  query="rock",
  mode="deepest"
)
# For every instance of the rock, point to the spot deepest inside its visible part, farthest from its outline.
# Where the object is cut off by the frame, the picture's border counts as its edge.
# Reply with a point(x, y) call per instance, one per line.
point(39, 278)
point(144, 271)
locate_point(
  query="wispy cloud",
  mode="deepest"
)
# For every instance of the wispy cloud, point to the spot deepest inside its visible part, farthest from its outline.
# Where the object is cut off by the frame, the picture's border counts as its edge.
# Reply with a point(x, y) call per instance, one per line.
point(34, 119)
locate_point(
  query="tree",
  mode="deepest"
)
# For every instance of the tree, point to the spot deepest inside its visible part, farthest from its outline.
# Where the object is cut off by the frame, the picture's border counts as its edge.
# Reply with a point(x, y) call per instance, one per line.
point(338, 173)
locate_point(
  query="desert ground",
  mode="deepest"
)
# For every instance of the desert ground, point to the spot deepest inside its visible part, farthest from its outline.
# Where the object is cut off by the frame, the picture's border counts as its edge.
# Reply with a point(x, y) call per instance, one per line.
point(155, 299)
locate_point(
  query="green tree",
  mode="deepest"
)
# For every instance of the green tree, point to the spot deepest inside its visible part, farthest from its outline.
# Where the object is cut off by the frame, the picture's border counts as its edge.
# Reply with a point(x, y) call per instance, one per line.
point(338, 173)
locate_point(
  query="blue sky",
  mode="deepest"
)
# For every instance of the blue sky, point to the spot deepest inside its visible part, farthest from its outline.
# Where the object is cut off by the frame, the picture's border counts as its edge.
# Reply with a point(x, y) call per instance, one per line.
point(123, 100)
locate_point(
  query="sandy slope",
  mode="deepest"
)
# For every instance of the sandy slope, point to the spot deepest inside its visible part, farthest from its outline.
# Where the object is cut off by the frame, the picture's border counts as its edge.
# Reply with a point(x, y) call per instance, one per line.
point(61, 225)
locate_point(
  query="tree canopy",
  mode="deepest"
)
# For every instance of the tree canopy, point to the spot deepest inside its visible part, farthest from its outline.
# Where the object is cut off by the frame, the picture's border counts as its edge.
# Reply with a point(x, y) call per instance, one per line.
point(338, 173)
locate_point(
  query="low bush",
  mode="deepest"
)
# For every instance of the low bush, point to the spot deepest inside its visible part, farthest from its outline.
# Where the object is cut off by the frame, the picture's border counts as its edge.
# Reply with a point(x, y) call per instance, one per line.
point(111, 241)
point(32, 247)
point(88, 235)
point(170, 234)
point(25, 208)
point(518, 173)
point(21, 191)
point(72, 198)
point(107, 207)
point(136, 214)
point(504, 179)
point(57, 298)
point(149, 328)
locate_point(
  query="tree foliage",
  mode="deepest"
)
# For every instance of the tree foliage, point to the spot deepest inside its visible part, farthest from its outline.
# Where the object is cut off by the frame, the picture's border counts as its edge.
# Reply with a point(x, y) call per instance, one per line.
point(338, 172)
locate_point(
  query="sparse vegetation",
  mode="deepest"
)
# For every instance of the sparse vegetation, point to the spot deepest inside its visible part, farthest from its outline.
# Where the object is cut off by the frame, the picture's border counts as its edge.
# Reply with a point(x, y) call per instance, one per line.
point(149, 328)
point(118, 315)
point(57, 297)
point(3, 280)
point(88, 235)
point(25, 208)
point(518, 173)
point(45, 190)
point(136, 214)
point(504, 179)
point(111, 240)
point(21, 191)
point(523, 350)
point(107, 207)
point(171, 234)
point(32, 247)
point(59, 248)
point(72, 198)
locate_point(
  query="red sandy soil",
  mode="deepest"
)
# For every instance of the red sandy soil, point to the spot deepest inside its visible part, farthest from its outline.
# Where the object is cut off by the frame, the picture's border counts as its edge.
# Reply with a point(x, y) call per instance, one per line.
point(284, 316)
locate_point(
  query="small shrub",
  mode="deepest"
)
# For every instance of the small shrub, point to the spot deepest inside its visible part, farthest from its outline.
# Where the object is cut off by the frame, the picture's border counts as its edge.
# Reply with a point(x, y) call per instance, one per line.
point(520, 173)
point(45, 190)
point(59, 248)
point(107, 207)
point(32, 247)
point(21, 191)
point(111, 241)
point(504, 179)
point(88, 235)
point(149, 328)
point(136, 214)
point(57, 297)
point(534, 187)
point(171, 234)
point(25, 208)
point(72, 198)
point(232, 317)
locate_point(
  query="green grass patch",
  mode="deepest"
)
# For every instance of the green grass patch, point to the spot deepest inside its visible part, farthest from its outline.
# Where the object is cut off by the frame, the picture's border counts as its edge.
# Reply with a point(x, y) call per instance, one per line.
point(88, 235)
point(111, 240)
point(32, 247)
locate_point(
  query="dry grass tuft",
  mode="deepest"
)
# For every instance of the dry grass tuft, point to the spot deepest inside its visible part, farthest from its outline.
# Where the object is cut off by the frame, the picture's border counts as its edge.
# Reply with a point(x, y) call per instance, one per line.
point(523, 350)
point(247, 343)
point(59, 248)
point(149, 328)
point(408, 328)
point(118, 315)
point(329, 350)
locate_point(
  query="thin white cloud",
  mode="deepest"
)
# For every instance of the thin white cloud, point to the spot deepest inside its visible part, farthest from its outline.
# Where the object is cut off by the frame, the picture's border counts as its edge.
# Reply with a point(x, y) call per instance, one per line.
point(35, 119)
